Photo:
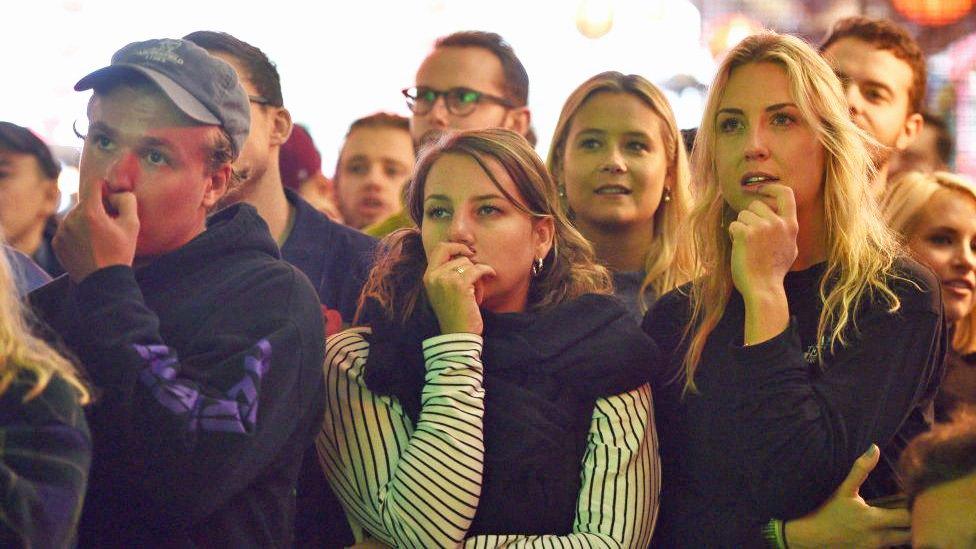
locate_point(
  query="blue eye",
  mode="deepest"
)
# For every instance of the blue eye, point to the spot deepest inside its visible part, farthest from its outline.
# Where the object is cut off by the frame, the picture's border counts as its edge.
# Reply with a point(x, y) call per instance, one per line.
point(102, 142)
point(783, 119)
point(729, 125)
point(437, 212)
point(156, 158)
point(638, 146)
point(488, 210)
point(589, 143)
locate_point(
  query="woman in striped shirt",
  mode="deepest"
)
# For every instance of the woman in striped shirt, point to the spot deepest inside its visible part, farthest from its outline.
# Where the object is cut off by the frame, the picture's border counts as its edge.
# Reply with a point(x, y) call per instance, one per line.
point(496, 395)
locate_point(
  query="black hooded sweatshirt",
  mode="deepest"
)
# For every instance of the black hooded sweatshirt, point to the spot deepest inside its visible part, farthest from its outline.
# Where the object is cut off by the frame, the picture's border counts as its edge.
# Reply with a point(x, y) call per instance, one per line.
point(208, 365)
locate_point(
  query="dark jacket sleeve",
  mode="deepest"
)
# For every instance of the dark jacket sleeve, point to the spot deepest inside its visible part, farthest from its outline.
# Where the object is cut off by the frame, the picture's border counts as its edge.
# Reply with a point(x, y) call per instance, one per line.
point(805, 431)
point(45, 454)
point(200, 425)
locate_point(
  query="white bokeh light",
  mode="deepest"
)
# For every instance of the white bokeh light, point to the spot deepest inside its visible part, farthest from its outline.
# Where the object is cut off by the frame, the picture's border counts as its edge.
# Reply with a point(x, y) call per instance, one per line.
point(342, 61)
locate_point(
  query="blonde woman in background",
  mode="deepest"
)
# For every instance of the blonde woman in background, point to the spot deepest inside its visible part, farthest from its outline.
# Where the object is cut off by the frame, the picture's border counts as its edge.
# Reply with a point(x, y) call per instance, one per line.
point(935, 215)
point(621, 168)
point(809, 338)
point(46, 446)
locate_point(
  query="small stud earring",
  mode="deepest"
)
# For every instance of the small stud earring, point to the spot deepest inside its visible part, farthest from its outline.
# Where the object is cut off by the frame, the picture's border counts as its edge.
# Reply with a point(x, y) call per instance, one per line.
point(667, 194)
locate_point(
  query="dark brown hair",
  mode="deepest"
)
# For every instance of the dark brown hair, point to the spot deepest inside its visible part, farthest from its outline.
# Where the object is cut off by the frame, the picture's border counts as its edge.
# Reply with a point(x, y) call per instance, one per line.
point(944, 454)
point(516, 79)
point(569, 269)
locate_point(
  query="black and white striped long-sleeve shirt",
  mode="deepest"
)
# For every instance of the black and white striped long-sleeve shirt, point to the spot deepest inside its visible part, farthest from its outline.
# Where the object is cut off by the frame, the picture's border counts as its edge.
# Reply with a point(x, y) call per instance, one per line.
point(418, 485)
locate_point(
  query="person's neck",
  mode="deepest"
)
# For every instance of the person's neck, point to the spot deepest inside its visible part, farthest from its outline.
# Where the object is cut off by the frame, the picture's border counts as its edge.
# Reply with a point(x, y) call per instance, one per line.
point(880, 181)
point(29, 242)
point(267, 195)
point(621, 249)
point(811, 238)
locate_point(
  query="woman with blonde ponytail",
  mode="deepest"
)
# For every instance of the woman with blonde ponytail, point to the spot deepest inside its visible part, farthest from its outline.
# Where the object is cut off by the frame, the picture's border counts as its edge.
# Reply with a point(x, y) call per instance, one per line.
point(809, 337)
point(45, 446)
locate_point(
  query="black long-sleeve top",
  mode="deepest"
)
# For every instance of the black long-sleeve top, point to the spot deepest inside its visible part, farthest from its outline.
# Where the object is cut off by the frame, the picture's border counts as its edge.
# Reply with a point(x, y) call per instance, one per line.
point(771, 431)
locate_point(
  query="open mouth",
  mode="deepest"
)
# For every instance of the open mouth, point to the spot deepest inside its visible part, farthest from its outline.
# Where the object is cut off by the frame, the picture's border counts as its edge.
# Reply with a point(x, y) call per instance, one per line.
point(612, 190)
point(755, 179)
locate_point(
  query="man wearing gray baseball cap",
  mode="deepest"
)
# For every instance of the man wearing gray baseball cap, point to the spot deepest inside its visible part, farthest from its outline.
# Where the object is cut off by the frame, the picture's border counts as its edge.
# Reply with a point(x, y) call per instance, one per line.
point(204, 346)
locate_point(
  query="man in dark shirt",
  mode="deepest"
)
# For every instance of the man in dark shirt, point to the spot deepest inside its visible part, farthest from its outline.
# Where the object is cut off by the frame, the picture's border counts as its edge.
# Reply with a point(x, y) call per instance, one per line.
point(334, 257)
point(205, 348)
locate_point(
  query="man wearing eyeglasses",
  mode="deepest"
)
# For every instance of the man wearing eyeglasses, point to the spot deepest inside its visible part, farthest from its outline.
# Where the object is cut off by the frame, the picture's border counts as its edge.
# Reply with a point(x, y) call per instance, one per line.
point(471, 80)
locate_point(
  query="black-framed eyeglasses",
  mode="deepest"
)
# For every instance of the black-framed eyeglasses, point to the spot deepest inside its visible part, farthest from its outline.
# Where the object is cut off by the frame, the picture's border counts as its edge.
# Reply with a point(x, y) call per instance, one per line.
point(459, 101)
point(259, 99)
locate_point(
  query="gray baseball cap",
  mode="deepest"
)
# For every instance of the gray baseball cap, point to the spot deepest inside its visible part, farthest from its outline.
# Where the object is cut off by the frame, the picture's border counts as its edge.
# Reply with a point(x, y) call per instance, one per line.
point(204, 87)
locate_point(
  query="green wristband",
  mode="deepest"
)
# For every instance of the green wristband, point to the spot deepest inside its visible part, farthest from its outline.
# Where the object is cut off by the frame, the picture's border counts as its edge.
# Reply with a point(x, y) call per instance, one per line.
point(775, 535)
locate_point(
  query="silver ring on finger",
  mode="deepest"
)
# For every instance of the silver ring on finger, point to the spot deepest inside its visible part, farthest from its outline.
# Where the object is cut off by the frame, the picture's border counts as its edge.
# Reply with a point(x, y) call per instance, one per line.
point(459, 270)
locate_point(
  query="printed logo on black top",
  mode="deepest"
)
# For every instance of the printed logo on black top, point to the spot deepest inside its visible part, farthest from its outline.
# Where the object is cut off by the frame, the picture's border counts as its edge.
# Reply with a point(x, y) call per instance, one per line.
point(814, 352)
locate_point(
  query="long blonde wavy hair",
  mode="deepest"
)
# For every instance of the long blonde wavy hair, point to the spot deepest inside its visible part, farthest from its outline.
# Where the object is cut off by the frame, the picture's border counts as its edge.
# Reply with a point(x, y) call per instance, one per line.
point(21, 351)
point(569, 269)
point(666, 263)
point(860, 249)
point(905, 199)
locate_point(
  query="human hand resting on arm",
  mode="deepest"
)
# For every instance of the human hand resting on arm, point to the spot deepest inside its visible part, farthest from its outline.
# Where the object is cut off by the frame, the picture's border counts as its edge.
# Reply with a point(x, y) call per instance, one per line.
point(763, 250)
point(99, 232)
point(845, 520)
point(455, 287)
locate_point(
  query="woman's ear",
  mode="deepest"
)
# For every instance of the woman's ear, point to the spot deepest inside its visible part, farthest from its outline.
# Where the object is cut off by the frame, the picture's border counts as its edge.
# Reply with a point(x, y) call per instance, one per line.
point(544, 233)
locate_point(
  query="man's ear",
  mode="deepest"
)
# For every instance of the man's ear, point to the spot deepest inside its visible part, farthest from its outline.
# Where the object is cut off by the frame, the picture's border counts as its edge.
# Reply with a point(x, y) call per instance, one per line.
point(913, 127)
point(519, 120)
point(217, 186)
point(52, 197)
point(282, 126)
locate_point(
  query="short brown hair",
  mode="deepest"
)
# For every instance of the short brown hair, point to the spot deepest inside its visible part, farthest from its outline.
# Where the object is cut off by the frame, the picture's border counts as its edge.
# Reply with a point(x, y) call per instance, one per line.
point(886, 35)
point(381, 120)
point(516, 79)
point(944, 454)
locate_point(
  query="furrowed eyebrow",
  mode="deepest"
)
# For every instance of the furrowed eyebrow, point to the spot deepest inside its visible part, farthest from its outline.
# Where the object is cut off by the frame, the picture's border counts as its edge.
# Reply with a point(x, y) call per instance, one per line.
point(156, 142)
point(730, 110)
point(101, 127)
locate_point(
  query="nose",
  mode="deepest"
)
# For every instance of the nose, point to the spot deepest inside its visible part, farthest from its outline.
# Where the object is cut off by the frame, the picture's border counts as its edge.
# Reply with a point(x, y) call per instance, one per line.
point(123, 173)
point(438, 112)
point(966, 256)
point(614, 162)
point(373, 178)
point(460, 230)
point(855, 101)
point(756, 147)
